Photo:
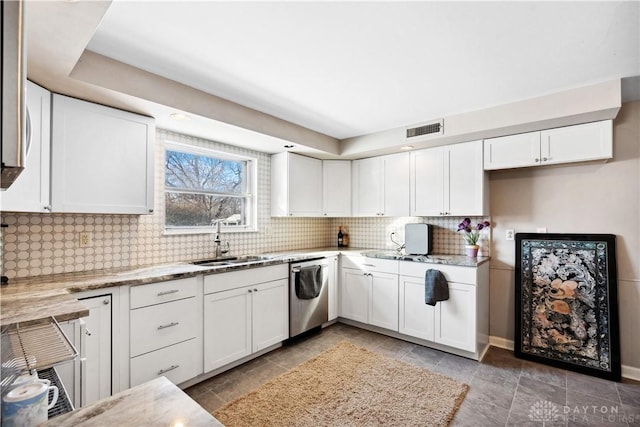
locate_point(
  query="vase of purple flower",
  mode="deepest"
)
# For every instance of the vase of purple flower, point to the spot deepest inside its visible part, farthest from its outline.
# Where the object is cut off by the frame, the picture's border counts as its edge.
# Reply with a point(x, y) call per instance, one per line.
point(471, 235)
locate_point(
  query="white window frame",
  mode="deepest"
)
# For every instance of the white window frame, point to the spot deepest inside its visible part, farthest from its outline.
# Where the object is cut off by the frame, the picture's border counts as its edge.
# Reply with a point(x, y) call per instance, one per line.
point(251, 195)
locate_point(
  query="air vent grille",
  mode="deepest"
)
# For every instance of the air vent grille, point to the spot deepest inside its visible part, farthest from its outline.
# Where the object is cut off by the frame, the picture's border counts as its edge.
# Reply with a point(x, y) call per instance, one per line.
point(426, 129)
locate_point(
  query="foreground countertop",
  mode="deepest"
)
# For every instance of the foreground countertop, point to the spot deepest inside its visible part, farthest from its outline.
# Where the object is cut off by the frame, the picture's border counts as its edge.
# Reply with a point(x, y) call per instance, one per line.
point(32, 299)
point(155, 403)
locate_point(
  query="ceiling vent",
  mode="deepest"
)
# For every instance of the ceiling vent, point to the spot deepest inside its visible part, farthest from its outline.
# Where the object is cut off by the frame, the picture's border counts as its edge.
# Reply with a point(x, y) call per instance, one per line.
point(433, 128)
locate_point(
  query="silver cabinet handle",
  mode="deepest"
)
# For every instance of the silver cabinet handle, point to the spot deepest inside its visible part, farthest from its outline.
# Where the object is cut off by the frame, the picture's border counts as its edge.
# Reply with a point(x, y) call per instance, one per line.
point(105, 302)
point(250, 291)
point(536, 160)
point(544, 159)
point(170, 368)
point(369, 265)
point(172, 291)
point(255, 290)
point(168, 325)
point(87, 332)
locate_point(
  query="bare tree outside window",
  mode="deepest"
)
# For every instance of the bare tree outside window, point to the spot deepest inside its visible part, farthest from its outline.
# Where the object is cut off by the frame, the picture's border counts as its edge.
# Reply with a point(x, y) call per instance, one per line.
point(202, 189)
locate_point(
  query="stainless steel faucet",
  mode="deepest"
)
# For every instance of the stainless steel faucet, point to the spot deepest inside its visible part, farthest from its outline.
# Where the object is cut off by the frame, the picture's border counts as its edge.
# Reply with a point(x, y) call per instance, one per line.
point(221, 247)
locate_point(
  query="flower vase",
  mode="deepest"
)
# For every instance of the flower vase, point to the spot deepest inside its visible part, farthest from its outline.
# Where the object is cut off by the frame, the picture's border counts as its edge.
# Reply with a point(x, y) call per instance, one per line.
point(472, 250)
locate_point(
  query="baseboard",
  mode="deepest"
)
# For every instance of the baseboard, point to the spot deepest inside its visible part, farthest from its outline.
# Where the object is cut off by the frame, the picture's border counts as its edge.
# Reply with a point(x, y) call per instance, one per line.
point(629, 372)
point(501, 343)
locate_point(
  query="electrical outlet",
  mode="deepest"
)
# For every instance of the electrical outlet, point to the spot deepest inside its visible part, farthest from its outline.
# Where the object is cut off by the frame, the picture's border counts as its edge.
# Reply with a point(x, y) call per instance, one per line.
point(84, 239)
point(510, 234)
point(541, 230)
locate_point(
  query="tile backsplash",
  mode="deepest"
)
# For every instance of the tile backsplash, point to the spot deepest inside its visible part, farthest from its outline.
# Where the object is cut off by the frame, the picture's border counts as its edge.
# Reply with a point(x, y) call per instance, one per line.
point(39, 244)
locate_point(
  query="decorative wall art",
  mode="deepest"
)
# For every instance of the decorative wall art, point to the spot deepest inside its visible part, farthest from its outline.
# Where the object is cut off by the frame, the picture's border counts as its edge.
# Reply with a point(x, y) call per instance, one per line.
point(566, 307)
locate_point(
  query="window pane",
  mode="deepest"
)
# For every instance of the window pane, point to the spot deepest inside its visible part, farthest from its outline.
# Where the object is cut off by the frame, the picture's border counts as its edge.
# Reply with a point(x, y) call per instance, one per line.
point(201, 210)
point(199, 172)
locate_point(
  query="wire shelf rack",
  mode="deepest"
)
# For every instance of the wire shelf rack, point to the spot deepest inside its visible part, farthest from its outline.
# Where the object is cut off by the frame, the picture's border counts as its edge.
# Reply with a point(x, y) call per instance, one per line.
point(32, 346)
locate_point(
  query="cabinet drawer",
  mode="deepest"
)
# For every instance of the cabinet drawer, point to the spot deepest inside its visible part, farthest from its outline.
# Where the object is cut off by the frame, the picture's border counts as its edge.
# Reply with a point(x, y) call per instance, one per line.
point(370, 264)
point(452, 273)
point(250, 276)
point(178, 363)
point(156, 293)
point(162, 325)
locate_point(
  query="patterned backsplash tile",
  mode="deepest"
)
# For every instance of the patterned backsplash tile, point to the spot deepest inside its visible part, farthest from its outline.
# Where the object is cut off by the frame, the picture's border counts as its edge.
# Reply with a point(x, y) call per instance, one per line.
point(39, 244)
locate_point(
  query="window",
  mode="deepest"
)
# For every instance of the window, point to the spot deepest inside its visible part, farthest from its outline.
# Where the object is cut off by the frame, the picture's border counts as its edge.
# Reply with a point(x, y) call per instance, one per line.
point(203, 187)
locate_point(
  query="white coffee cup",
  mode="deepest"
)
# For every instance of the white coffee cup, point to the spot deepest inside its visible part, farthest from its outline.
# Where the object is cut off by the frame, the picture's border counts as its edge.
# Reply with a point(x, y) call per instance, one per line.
point(26, 404)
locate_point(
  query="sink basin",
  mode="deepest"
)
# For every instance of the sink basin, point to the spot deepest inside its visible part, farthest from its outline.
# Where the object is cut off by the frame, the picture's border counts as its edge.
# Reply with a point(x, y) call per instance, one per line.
point(230, 260)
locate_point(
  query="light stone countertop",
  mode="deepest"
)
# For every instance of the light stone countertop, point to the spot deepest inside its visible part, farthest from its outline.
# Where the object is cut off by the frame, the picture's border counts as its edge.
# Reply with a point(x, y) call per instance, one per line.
point(33, 299)
point(155, 403)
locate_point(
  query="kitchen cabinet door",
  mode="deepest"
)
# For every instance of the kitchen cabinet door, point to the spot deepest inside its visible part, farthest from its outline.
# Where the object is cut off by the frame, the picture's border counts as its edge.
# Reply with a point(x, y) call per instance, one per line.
point(383, 300)
point(354, 295)
point(381, 186)
point(102, 159)
point(591, 141)
point(227, 327)
point(427, 182)
point(396, 185)
point(368, 187)
point(336, 188)
point(270, 314)
point(296, 185)
point(417, 319)
point(512, 151)
point(30, 192)
point(333, 288)
point(455, 318)
point(466, 187)
point(449, 180)
point(578, 143)
point(96, 342)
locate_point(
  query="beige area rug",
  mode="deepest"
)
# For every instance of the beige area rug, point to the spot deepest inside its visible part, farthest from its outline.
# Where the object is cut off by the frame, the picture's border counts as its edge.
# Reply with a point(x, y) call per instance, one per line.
point(349, 386)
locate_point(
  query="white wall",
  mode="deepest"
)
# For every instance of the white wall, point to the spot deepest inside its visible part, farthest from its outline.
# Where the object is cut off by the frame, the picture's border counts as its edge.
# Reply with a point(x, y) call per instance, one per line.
point(580, 198)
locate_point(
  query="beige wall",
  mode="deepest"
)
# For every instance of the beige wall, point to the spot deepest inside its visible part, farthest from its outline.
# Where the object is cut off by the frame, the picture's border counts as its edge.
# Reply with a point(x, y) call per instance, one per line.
point(580, 198)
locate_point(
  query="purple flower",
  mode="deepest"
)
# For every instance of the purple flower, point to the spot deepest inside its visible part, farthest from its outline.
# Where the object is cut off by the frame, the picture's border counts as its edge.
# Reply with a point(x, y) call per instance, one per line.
point(472, 233)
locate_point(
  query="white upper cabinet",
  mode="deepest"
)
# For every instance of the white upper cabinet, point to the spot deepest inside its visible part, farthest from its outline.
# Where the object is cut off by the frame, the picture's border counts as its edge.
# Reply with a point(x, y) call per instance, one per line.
point(296, 185)
point(380, 186)
point(590, 141)
point(336, 188)
point(449, 180)
point(102, 159)
point(30, 192)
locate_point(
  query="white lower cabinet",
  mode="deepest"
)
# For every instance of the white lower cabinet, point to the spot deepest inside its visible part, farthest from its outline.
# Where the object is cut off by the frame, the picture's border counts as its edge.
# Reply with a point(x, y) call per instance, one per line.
point(165, 338)
point(227, 327)
point(461, 322)
point(96, 364)
point(178, 362)
point(416, 318)
point(244, 312)
point(93, 374)
point(455, 318)
point(369, 291)
point(333, 288)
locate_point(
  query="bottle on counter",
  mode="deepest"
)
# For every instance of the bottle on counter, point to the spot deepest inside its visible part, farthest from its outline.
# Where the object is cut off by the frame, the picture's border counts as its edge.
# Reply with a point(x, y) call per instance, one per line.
point(340, 237)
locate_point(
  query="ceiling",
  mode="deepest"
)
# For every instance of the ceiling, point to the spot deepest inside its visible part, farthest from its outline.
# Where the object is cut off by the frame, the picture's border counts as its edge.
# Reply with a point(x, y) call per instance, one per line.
point(344, 69)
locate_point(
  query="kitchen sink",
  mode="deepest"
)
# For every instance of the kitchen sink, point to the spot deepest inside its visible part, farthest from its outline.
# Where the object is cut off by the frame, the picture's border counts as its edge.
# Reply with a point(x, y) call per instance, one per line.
point(214, 262)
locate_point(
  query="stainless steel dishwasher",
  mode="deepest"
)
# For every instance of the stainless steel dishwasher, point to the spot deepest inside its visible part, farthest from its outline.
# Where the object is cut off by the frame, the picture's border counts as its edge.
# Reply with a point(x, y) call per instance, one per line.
point(306, 314)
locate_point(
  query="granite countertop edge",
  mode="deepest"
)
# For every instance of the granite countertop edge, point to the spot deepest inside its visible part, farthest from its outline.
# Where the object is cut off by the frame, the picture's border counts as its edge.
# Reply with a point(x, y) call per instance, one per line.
point(36, 298)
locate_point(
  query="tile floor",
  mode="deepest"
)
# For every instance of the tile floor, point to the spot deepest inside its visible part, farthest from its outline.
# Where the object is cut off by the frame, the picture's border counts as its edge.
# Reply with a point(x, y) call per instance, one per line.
point(503, 389)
